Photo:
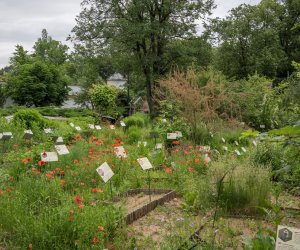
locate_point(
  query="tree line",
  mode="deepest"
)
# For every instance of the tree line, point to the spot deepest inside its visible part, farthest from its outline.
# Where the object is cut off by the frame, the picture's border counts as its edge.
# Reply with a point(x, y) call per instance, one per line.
point(146, 39)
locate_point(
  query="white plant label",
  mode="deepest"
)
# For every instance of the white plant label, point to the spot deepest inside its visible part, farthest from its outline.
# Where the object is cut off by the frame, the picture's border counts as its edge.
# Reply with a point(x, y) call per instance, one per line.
point(28, 134)
point(179, 134)
point(164, 120)
point(98, 127)
point(144, 143)
point(171, 136)
point(59, 141)
point(244, 150)
point(211, 134)
point(122, 124)
point(243, 123)
point(223, 140)
point(288, 238)
point(254, 143)
point(236, 143)
point(49, 156)
point(91, 126)
point(112, 127)
point(72, 124)
point(120, 152)
point(48, 130)
point(237, 152)
point(262, 126)
point(145, 163)
point(225, 148)
point(62, 149)
point(78, 128)
point(105, 172)
point(158, 146)
point(6, 136)
point(207, 158)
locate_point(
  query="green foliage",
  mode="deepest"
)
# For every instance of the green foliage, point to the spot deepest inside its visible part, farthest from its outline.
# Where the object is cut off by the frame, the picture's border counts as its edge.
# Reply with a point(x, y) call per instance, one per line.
point(49, 50)
point(140, 39)
point(253, 42)
point(134, 133)
point(29, 118)
point(2, 95)
point(261, 241)
point(139, 120)
point(37, 84)
point(104, 98)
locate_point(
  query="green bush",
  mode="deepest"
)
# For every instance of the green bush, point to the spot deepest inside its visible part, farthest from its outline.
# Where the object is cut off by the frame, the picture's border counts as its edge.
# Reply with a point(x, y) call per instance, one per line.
point(134, 134)
point(244, 189)
point(29, 117)
point(138, 120)
point(269, 155)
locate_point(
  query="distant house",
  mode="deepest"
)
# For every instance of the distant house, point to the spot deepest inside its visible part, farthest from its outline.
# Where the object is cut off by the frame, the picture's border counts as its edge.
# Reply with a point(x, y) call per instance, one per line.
point(116, 80)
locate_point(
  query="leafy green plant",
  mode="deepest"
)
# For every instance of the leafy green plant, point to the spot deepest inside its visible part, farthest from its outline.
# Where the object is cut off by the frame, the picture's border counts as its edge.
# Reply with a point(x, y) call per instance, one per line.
point(29, 117)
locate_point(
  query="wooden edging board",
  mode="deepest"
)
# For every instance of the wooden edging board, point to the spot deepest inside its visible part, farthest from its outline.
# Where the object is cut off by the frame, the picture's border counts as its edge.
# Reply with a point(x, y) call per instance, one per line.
point(142, 211)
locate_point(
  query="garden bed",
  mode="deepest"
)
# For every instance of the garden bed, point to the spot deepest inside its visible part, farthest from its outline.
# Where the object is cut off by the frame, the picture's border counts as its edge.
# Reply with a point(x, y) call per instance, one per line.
point(137, 201)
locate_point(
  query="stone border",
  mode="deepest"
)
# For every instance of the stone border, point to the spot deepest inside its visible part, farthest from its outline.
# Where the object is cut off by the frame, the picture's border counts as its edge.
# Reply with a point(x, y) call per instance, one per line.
point(142, 211)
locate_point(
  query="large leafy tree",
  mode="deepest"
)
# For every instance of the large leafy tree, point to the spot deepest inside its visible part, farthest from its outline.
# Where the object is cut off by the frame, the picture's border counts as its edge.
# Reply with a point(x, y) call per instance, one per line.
point(50, 50)
point(138, 30)
point(37, 84)
point(262, 38)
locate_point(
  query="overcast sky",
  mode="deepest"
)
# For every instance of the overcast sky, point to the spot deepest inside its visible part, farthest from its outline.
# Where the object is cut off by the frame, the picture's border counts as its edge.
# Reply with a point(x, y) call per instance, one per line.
point(21, 22)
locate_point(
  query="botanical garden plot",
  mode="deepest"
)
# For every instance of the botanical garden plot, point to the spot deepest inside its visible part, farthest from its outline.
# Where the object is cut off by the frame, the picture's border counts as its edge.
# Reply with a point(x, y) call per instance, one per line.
point(50, 198)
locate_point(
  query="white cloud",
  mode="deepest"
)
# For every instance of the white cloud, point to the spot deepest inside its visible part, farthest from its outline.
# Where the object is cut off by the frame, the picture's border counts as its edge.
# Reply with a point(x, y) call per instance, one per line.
point(21, 22)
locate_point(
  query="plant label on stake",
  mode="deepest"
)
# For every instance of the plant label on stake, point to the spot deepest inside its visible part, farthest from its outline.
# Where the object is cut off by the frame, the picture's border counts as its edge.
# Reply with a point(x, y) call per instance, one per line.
point(49, 156)
point(72, 124)
point(106, 174)
point(158, 146)
point(91, 126)
point(28, 134)
point(179, 134)
point(171, 136)
point(146, 165)
point(262, 126)
point(48, 130)
point(112, 127)
point(254, 143)
point(288, 238)
point(144, 143)
point(78, 128)
point(225, 148)
point(236, 143)
point(237, 152)
point(223, 140)
point(59, 141)
point(244, 150)
point(122, 124)
point(62, 149)
point(211, 134)
point(98, 127)
point(120, 152)
point(5, 136)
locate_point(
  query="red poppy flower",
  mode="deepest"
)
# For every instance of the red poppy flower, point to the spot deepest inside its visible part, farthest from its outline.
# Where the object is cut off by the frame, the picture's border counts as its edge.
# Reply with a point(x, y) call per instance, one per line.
point(101, 228)
point(95, 240)
point(204, 163)
point(94, 190)
point(197, 160)
point(169, 170)
point(70, 218)
point(191, 169)
point(77, 137)
point(77, 199)
point(44, 154)
point(81, 206)
point(40, 163)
